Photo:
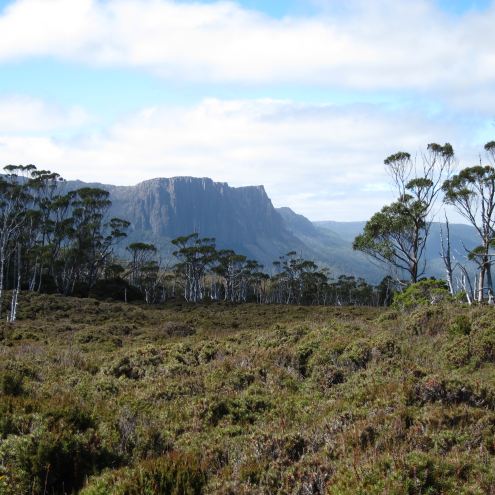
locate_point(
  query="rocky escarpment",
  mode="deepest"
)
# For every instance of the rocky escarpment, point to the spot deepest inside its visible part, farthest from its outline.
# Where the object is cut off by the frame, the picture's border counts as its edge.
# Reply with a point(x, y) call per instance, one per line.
point(240, 218)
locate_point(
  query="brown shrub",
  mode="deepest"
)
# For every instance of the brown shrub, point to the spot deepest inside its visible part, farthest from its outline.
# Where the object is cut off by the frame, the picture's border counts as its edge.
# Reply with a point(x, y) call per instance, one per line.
point(177, 329)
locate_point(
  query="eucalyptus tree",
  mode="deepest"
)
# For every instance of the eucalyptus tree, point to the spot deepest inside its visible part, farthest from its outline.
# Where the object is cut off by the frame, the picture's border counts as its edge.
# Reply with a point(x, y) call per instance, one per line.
point(315, 286)
point(45, 189)
point(144, 269)
point(472, 193)
point(257, 280)
point(93, 236)
point(397, 234)
point(142, 254)
point(196, 256)
point(14, 203)
point(83, 238)
point(151, 284)
point(446, 256)
point(348, 290)
point(292, 278)
point(234, 270)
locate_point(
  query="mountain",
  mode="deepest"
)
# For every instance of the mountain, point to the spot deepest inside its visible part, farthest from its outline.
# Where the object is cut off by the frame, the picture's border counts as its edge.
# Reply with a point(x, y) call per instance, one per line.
point(244, 219)
point(462, 237)
point(240, 218)
point(345, 230)
point(330, 248)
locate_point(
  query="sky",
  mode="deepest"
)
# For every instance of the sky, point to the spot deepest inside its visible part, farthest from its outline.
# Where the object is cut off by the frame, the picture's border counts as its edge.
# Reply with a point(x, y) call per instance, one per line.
point(306, 97)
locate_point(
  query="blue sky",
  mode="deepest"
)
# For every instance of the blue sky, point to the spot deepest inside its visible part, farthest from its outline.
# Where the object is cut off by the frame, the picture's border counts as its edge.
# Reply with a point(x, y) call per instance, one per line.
point(304, 96)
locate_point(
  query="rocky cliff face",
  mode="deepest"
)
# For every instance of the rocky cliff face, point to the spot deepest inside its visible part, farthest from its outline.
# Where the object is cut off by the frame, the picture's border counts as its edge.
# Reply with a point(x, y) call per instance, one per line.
point(240, 218)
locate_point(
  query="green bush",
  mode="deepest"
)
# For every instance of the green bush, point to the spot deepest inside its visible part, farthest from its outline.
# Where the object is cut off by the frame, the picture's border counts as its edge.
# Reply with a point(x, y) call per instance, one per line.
point(461, 325)
point(427, 320)
point(357, 355)
point(55, 462)
point(416, 474)
point(12, 384)
point(424, 293)
point(173, 474)
point(483, 345)
point(457, 352)
point(243, 410)
point(327, 376)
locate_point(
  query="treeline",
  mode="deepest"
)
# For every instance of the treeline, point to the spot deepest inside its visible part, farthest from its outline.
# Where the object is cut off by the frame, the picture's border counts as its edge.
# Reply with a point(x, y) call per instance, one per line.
point(204, 273)
point(57, 240)
point(52, 239)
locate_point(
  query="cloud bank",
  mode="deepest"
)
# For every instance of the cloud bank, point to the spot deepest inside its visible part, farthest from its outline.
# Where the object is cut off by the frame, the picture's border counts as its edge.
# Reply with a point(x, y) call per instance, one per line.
point(379, 45)
point(325, 161)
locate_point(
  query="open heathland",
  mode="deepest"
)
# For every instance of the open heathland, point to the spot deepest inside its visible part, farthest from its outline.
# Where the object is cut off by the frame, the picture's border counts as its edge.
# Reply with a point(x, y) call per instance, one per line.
point(110, 398)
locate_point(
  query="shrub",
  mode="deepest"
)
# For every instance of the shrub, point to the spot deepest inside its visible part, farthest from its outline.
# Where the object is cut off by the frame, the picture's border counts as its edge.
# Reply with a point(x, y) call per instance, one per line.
point(424, 293)
point(177, 329)
point(136, 364)
point(483, 345)
point(12, 384)
point(427, 320)
point(243, 410)
point(47, 461)
point(356, 355)
point(416, 474)
point(457, 352)
point(327, 376)
point(173, 474)
point(461, 325)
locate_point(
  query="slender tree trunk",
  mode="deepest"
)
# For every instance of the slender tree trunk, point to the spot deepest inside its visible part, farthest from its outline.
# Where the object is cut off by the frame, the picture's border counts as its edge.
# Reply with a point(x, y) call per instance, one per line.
point(488, 269)
point(16, 290)
point(446, 257)
point(481, 283)
point(2, 277)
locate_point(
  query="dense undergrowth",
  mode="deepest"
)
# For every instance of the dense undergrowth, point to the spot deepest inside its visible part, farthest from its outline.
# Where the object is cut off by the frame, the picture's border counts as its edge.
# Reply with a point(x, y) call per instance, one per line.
point(105, 398)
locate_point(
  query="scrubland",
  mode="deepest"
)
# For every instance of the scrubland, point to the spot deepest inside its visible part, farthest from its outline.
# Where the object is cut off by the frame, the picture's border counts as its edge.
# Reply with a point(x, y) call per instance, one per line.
point(104, 398)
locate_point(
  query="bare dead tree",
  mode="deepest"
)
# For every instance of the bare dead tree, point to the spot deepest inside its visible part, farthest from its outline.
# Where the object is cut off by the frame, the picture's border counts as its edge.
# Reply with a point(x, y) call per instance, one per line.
point(446, 255)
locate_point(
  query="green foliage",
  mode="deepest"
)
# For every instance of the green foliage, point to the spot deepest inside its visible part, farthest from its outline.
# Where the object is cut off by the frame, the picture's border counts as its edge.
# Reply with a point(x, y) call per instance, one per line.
point(416, 474)
point(483, 345)
point(423, 293)
point(461, 325)
point(50, 460)
point(173, 474)
point(463, 186)
point(12, 384)
point(396, 233)
point(243, 410)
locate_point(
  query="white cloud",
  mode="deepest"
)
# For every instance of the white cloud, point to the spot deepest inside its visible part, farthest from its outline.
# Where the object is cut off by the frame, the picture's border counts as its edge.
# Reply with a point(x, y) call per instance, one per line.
point(324, 161)
point(25, 115)
point(384, 44)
